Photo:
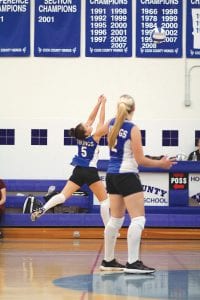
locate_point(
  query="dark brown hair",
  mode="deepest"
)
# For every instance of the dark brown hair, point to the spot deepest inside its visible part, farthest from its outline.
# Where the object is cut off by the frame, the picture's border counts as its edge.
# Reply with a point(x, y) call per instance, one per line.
point(78, 132)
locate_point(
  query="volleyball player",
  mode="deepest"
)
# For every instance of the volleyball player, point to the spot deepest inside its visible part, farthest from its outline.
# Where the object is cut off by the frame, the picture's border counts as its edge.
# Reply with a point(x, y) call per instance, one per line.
point(85, 164)
point(124, 187)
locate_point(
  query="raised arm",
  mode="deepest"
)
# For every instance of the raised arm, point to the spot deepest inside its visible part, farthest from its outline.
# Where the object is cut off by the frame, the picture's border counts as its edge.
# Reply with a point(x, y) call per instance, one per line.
point(94, 112)
point(102, 111)
point(101, 128)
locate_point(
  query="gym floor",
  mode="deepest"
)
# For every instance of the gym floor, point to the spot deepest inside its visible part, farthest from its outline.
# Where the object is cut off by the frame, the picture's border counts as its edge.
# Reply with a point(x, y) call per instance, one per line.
point(59, 269)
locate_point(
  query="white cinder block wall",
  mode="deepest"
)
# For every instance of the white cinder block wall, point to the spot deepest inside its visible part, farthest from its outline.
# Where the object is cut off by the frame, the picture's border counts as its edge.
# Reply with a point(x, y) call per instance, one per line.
point(57, 93)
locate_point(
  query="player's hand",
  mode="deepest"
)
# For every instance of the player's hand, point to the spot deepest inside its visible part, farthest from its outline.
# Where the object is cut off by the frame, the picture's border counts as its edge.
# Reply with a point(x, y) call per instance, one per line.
point(167, 163)
point(102, 99)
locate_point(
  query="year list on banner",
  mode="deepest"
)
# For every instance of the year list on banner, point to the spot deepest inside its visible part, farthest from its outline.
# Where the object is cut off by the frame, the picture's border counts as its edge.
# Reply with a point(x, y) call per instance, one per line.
point(193, 29)
point(15, 28)
point(109, 28)
point(159, 28)
point(57, 28)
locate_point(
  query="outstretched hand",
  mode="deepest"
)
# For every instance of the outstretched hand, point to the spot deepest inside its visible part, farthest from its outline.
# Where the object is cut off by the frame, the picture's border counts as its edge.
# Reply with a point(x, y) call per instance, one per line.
point(167, 163)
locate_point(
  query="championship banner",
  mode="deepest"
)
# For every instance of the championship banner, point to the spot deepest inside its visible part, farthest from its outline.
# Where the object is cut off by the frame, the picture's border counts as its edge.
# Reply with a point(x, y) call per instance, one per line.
point(159, 28)
point(193, 29)
point(57, 28)
point(109, 28)
point(15, 28)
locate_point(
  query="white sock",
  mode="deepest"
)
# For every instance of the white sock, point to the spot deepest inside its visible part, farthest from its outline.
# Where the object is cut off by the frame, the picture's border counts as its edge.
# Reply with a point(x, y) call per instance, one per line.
point(55, 200)
point(111, 232)
point(105, 211)
point(134, 238)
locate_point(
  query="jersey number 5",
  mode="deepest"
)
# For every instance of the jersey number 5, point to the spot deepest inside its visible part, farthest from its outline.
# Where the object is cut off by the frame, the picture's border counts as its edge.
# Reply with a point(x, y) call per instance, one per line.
point(84, 151)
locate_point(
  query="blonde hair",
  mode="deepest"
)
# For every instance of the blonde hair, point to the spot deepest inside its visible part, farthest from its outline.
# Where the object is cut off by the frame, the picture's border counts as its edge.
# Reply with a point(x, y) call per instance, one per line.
point(126, 106)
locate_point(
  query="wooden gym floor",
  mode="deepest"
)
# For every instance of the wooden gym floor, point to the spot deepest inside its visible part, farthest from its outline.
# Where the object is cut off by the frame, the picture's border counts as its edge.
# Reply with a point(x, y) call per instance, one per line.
point(68, 269)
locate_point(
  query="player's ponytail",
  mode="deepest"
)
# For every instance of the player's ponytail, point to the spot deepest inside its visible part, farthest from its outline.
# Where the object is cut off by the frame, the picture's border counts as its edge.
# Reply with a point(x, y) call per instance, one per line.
point(126, 105)
point(120, 117)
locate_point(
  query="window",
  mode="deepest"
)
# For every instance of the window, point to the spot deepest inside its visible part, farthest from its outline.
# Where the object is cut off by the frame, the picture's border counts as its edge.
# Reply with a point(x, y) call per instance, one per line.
point(39, 137)
point(143, 133)
point(69, 140)
point(170, 138)
point(197, 136)
point(7, 136)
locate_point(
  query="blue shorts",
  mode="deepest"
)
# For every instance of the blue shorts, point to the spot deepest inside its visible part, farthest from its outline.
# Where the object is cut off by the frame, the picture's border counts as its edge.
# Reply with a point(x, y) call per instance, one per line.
point(123, 184)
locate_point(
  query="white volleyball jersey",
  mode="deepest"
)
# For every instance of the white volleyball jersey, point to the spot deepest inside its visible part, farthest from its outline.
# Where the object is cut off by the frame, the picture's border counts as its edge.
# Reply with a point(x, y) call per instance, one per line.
point(121, 156)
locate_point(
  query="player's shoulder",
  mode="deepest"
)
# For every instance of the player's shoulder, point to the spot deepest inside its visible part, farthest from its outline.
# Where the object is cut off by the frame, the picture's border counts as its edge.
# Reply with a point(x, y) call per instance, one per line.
point(129, 124)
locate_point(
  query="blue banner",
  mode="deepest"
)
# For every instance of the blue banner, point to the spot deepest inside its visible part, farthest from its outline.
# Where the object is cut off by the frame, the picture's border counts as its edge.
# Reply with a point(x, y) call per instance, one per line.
point(15, 28)
point(57, 28)
point(109, 28)
point(193, 29)
point(159, 28)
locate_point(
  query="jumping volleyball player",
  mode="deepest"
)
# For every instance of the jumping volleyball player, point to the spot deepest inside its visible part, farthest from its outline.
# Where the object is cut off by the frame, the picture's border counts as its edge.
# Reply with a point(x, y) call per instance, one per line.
point(124, 187)
point(85, 163)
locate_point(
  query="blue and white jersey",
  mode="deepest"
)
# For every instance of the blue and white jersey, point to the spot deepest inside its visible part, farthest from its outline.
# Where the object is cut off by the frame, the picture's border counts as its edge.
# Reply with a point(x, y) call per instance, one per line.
point(88, 151)
point(121, 156)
